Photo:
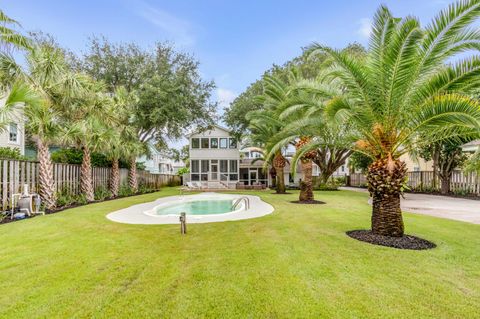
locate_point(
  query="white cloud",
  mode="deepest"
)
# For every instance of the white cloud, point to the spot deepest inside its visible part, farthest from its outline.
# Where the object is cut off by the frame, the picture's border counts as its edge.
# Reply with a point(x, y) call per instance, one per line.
point(178, 29)
point(365, 27)
point(225, 97)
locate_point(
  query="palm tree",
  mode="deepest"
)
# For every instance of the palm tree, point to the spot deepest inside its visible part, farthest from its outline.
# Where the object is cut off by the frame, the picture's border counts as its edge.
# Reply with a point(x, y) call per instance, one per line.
point(46, 85)
point(9, 36)
point(134, 149)
point(124, 131)
point(403, 90)
point(264, 124)
point(91, 123)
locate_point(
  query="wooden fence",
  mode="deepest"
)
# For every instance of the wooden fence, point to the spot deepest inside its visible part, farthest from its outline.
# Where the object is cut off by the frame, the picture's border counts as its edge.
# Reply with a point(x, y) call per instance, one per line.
point(423, 181)
point(14, 174)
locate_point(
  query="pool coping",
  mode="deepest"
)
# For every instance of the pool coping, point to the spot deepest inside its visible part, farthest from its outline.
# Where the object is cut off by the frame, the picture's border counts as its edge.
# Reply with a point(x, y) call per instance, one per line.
point(136, 214)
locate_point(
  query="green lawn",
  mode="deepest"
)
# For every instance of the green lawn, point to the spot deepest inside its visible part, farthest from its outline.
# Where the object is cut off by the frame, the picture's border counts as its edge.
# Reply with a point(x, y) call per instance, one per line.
point(296, 262)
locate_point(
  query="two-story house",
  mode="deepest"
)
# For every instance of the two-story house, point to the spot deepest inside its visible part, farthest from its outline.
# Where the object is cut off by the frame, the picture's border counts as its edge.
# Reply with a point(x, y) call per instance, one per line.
point(214, 158)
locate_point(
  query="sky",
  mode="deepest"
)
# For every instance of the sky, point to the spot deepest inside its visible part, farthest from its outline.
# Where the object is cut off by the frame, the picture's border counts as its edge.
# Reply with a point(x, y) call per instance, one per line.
point(235, 41)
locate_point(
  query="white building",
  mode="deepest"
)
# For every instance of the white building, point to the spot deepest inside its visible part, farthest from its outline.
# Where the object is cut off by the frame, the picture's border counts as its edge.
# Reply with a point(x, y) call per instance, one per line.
point(13, 135)
point(158, 163)
point(214, 158)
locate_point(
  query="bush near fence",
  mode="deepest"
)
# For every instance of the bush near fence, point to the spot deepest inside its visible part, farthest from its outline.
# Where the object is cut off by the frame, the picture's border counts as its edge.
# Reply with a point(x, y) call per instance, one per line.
point(423, 181)
point(15, 173)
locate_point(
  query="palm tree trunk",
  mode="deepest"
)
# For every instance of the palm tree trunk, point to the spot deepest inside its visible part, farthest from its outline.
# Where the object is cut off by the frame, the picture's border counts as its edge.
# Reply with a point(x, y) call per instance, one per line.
point(86, 183)
point(115, 178)
point(279, 165)
point(386, 178)
point(306, 186)
point(46, 182)
point(132, 176)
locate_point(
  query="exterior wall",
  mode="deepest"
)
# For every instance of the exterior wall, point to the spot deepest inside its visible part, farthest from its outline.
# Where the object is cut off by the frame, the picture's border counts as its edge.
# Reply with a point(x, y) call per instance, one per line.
point(416, 165)
point(5, 134)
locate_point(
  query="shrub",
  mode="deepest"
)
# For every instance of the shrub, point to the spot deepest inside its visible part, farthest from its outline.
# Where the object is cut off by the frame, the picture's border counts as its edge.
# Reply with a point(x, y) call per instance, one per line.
point(124, 191)
point(11, 153)
point(65, 198)
point(102, 193)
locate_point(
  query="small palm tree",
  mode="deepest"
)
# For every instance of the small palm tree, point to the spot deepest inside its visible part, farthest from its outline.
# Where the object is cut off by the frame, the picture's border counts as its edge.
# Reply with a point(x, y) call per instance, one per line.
point(405, 94)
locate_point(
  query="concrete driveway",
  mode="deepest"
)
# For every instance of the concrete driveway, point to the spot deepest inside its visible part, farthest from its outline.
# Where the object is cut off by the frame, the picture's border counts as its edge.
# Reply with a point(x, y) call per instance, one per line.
point(466, 210)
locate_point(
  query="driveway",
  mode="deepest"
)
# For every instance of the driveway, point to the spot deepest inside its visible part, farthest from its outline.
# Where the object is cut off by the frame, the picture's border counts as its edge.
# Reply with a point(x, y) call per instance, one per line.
point(466, 210)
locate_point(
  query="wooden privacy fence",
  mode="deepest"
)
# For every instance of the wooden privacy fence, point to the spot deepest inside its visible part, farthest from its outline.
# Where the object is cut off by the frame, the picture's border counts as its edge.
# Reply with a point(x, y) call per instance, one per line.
point(423, 181)
point(14, 174)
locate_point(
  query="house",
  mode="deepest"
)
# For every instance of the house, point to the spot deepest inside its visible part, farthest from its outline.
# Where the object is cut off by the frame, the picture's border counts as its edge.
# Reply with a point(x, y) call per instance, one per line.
point(13, 135)
point(159, 163)
point(214, 158)
point(471, 147)
point(216, 161)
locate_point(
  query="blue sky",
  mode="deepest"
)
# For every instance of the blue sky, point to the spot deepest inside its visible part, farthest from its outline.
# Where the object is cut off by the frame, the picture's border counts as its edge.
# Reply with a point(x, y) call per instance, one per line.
point(235, 41)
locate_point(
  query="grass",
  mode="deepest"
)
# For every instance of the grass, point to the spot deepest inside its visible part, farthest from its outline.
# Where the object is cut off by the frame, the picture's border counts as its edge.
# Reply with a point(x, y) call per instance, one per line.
point(296, 262)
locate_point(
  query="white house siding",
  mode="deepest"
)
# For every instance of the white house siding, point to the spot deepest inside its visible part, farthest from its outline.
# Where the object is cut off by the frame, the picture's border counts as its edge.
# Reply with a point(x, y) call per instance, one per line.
point(5, 141)
point(214, 167)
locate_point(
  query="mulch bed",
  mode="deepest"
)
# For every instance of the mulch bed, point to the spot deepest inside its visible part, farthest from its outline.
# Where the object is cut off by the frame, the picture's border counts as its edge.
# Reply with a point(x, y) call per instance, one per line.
point(308, 202)
point(405, 242)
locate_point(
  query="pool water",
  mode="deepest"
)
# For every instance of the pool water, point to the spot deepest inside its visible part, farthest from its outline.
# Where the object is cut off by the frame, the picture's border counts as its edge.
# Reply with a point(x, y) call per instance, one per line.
point(199, 207)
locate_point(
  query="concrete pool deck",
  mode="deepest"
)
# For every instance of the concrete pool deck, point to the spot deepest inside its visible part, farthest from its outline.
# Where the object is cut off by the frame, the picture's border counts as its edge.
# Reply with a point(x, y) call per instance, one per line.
point(466, 210)
point(136, 214)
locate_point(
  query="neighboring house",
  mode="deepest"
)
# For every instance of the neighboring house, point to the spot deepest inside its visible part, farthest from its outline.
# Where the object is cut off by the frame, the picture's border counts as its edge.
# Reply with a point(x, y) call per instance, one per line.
point(416, 165)
point(13, 135)
point(471, 147)
point(158, 163)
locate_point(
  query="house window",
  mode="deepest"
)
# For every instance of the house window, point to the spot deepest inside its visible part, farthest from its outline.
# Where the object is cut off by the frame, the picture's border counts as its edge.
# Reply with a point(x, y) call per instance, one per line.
point(205, 143)
point(214, 143)
point(223, 142)
point(343, 168)
point(233, 143)
point(195, 143)
point(13, 137)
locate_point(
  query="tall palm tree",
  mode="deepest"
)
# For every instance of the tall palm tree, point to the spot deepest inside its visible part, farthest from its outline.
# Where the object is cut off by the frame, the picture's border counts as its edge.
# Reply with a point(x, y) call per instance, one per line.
point(46, 85)
point(134, 149)
point(91, 125)
point(403, 90)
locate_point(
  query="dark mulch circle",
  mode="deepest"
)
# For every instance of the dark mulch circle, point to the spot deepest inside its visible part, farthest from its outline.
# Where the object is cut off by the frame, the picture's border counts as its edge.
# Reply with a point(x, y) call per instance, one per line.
point(308, 202)
point(405, 242)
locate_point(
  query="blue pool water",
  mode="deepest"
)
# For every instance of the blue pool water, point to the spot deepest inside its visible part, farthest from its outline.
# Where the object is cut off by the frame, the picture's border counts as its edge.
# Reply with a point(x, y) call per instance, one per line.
point(200, 207)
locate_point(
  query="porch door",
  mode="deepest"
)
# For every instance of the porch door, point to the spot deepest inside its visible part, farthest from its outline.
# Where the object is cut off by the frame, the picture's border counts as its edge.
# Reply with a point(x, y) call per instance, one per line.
point(253, 177)
point(214, 171)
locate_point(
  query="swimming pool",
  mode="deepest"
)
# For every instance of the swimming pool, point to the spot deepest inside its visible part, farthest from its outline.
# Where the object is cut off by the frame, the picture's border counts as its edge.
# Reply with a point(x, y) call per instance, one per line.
point(197, 207)
point(206, 208)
